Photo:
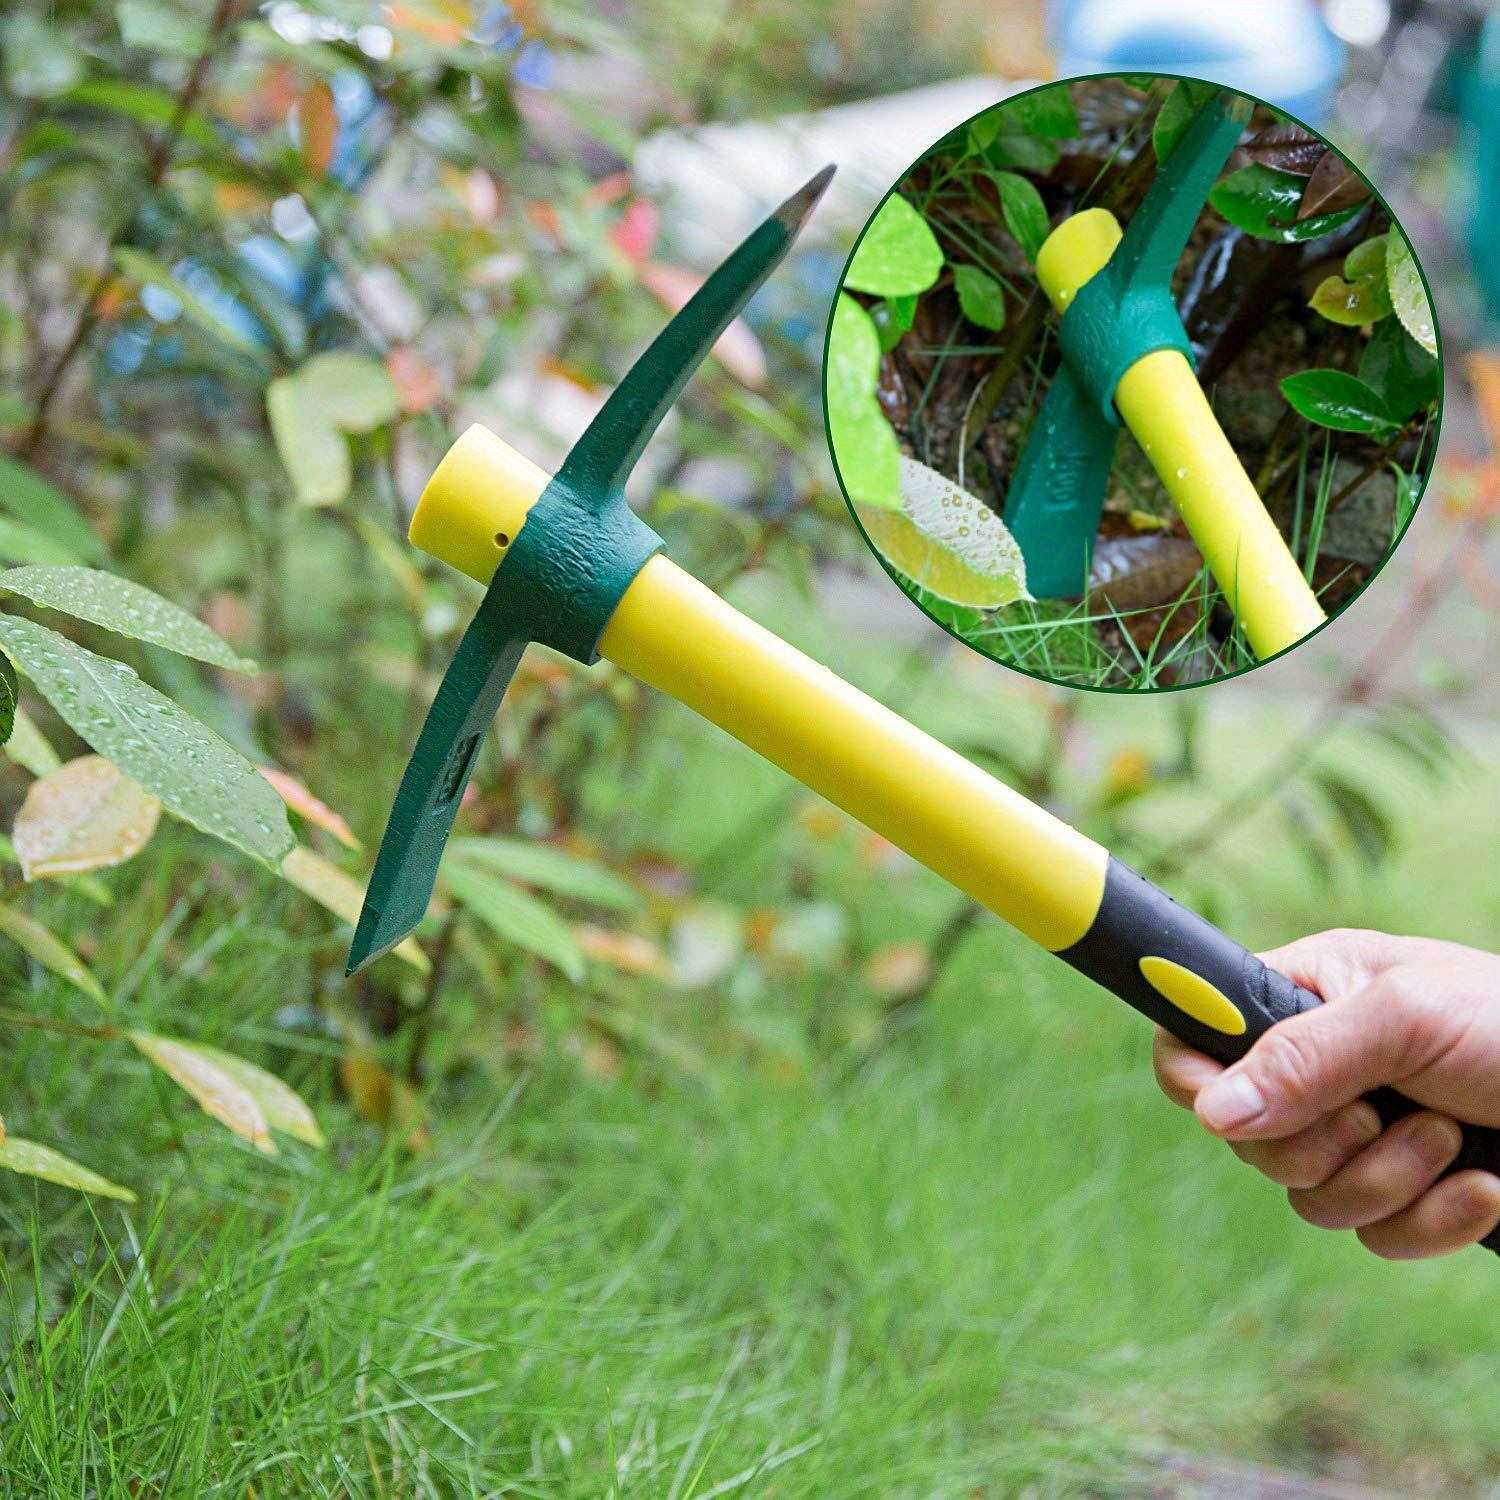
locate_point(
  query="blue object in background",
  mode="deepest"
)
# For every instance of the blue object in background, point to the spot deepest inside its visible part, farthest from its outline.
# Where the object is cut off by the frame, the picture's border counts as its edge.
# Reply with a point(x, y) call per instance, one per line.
point(1479, 166)
point(1277, 50)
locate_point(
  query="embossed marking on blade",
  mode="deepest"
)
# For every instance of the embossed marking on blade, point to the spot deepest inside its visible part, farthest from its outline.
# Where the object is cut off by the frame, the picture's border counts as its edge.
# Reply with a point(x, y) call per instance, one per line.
point(607, 451)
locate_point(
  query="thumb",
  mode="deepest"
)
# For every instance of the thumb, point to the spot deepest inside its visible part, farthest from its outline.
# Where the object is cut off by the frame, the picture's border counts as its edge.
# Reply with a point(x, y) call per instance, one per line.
point(1308, 1066)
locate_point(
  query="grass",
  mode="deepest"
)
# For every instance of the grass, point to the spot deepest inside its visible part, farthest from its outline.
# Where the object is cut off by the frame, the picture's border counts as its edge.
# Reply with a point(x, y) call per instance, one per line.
point(986, 1260)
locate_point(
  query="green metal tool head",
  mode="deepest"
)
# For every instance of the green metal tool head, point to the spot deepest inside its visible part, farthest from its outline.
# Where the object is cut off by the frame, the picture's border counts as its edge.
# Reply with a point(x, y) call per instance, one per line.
point(558, 581)
point(1119, 316)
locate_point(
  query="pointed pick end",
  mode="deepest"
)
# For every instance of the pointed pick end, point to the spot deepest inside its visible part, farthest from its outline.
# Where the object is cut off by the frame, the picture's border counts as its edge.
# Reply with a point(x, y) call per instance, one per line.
point(372, 939)
point(795, 211)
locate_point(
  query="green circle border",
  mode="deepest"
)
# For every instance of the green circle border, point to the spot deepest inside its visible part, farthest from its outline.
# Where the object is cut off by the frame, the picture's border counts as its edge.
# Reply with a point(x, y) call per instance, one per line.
point(1179, 687)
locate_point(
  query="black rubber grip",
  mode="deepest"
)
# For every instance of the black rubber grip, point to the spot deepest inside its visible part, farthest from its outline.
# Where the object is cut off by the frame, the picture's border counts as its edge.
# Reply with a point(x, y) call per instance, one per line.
point(1138, 920)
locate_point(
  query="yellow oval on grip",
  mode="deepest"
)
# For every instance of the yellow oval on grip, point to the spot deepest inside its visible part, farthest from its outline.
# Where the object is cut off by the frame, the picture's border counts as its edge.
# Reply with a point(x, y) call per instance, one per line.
point(1193, 995)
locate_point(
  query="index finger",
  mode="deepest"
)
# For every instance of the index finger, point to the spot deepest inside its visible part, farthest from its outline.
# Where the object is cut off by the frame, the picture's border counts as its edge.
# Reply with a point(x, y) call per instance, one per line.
point(1180, 1070)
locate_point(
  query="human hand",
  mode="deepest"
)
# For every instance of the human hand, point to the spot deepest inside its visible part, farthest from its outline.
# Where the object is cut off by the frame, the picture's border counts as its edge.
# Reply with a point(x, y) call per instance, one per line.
point(1420, 1015)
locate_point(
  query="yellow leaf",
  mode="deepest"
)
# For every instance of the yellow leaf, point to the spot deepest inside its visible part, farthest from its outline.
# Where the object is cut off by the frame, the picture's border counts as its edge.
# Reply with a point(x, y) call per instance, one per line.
point(305, 805)
point(282, 1106)
point(48, 950)
point(86, 815)
point(384, 1099)
point(217, 1091)
point(317, 125)
point(341, 894)
point(35, 1160)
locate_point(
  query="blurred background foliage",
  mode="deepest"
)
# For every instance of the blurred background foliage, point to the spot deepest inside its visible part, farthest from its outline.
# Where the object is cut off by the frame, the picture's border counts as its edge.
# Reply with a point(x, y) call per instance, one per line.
point(702, 1138)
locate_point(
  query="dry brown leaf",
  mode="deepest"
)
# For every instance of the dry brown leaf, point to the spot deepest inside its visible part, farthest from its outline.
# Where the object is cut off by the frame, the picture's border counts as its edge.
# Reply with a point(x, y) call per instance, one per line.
point(306, 805)
point(85, 815)
point(318, 125)
point(1334, 185)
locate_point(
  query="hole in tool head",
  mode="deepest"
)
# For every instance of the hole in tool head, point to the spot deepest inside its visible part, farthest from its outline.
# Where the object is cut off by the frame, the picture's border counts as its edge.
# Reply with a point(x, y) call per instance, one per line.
point(502, 539)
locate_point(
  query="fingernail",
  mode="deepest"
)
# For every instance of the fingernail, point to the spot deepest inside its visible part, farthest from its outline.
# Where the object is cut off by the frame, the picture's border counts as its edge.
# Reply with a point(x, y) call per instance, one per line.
point(1230, 1100)
point(1437, 1139)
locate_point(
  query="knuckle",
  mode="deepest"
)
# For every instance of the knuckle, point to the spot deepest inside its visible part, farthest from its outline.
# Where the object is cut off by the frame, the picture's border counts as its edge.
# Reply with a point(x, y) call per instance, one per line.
point(1315, 1208)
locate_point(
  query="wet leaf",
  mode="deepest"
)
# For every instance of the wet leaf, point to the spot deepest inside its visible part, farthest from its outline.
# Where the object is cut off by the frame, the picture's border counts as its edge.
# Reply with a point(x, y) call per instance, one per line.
point(44, 508)
point(549, 869)
point(124, 607)
point(199, 777)
point(737, 349)
point(1287, 148)
point(86, 815)
point(981, 297)
point(313, 451)
point(1024, 212)
point(948, 541)
point(32, 1159)
point(49, 951)
point(317, 126)
point(1333, 398)
point(218, 1093)
point(10, 693)
point(865, 449)
point(1402, 371)
point(1264, 202)
point(1334, 185)
point(516, 916)
point(898, 254)
point(1408, 294)
point(314, 809)
point(339, 892)
point(1359, 296)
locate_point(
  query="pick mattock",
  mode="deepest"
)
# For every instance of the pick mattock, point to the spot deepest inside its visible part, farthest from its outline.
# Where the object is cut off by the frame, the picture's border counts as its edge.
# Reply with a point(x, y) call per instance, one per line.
point(569, 564)
point(1127, 356)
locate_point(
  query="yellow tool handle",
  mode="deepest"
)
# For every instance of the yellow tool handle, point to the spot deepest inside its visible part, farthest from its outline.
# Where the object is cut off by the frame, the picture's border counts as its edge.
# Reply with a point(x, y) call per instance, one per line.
point(1020, 862)
point(1163, 405)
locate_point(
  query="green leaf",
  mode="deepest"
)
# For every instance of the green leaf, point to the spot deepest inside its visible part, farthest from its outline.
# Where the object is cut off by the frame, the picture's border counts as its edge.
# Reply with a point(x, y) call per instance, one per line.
point(27, 745)
point(1028, 153)
point(865, 449)
point(981, 297)
point(41, 61)
point(10, 694)
point(1042, 111)
point(155, 26)
point(1176, 114)
point(516, 916)
point(49, 951)
point(144, 268)
point(355, 392)
point(1332, 398)
point(1025, 213)
point(1408, 294)
point(124, 607)
point(32, 1159)
point(147, 106)
point(1263, 201)
point(20, 543)
point(200, 777)
point(1407, 376)
point(314, 452)
point(1359, 296)
point(549, 869)
point(44, 508)
point(898, 255)
point(948, 542)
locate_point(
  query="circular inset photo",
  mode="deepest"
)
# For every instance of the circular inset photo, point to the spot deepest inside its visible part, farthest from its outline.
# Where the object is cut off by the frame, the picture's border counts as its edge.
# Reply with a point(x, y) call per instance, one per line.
point(1132, 382)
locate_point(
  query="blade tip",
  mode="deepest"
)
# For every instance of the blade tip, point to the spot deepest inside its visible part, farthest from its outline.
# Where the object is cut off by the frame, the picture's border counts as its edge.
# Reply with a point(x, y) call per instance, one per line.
point(795, 210)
